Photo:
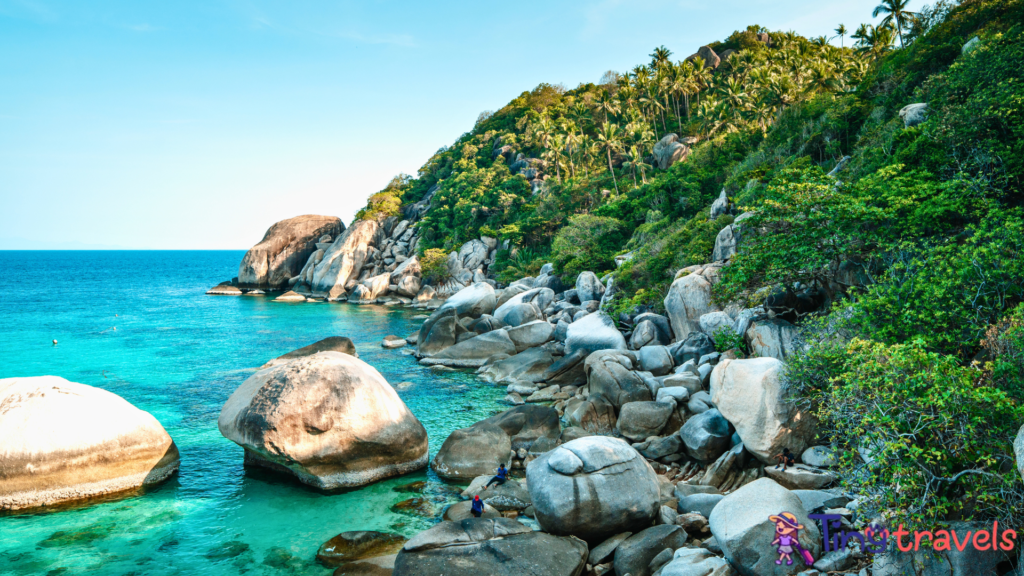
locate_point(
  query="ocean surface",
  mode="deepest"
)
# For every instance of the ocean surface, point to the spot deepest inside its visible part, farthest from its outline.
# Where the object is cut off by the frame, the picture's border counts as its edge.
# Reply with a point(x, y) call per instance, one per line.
point(137, 323)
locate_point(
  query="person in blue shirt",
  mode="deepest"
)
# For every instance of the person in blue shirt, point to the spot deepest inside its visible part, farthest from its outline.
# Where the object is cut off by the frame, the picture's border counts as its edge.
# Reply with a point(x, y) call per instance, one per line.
point(478, 506)
point(500, 478)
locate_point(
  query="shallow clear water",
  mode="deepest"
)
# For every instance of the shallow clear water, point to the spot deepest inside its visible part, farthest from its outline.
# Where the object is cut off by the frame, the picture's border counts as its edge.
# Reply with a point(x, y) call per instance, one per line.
point(179, 354)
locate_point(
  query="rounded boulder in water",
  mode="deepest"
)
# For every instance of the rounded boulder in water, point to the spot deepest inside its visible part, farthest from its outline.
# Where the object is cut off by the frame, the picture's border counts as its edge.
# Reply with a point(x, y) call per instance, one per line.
point(62, 441)
point(329, 419)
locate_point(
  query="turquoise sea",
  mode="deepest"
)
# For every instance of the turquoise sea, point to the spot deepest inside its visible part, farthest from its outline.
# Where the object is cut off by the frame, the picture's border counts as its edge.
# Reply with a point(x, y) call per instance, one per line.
point(179, 354)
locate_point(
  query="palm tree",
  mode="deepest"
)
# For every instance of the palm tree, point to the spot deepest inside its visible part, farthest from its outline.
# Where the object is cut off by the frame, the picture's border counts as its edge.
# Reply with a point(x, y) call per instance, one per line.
point(660, 56)
point(609, 140)
point(841, 32)
point(607, 105)
point(895, 11)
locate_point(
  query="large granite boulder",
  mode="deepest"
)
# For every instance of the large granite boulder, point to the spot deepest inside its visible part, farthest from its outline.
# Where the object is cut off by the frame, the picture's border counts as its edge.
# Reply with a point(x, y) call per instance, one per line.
point(480, 448)
point(62, 441)
point(589, 287)
point(329, 419)
point(330, 344)
point(480, 546)
point(669, 150)
point(569, 370)
point(474, 352)
point(688, 299)
point(914, 114)
point(751, 395)
point(774, 338)
point(593, 488)
point(706, 435)
point(741, 525)
point(530, 334)
point(284, 250)
point(641, 420)
point(344, 259)
point(610, 376)
point(473, 301)
point(655, 359)
point(527, 366)
point(633, 556)
point(593, 332)
point(438, 332)
point(595, 415)
point(696, 562)
point(524, 307)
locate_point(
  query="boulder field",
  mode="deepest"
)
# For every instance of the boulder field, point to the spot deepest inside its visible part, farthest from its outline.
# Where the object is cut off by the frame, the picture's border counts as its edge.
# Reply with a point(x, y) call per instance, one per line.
point(61, 442)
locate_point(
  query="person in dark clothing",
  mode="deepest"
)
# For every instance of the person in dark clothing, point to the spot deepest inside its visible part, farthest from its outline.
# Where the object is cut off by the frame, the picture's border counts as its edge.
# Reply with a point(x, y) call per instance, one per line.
point(785, 459)
point(500, 478)
point(478, 506)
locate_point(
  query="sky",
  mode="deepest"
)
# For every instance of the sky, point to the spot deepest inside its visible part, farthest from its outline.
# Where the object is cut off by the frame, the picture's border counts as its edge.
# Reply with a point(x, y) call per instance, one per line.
point(198, 124)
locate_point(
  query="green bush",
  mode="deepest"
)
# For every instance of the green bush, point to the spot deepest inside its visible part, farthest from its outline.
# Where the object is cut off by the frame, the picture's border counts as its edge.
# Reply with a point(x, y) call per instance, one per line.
point(587, 243)
point(1004, 342)
point(921, 438)
point(434, 266)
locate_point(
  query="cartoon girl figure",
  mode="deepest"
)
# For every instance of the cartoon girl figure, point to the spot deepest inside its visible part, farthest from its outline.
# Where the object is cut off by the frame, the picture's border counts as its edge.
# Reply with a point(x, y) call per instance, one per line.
point(787, 532)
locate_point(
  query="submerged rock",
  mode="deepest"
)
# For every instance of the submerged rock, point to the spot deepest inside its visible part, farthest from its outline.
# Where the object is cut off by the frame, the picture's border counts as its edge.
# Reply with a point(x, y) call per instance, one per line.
point(329, 419)
point(62, 441)
point(349, 546)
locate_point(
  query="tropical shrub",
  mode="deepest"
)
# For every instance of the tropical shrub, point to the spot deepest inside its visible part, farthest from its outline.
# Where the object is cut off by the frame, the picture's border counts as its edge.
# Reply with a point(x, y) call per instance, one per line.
point(587, 243)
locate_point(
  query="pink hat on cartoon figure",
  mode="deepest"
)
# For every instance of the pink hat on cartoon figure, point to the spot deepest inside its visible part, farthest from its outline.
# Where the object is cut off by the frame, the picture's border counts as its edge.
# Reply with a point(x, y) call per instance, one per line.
point(787, 519)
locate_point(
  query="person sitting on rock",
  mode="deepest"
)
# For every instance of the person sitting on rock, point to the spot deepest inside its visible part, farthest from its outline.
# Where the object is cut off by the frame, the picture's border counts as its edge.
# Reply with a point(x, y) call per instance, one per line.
point(500, 478)
point(478, 506)
point(785, 459)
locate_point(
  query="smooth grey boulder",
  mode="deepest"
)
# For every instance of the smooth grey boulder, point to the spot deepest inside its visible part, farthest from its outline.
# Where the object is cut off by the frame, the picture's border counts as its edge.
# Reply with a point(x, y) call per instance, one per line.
point(593, 332)
point(696, 562)
point(464, 510)
point(570, 370)
point(720, 206)
point(634, 555)
point(610, 376)
point(519, 313)
point(752, 397)
point(914, 114)
point(688, 299)
point(588, 287)
point(509, 292)
point(660, 447)
point(679, 394)
point(530, 334)
point(480, 448)
point(800, 477)
point(824, 456)
point(62, 441)
point(725, 243)
point(712, 322)
point(472, 254)
point(439, 331)
point(702, 504)
point(706, 435)
point(528, 366)
point(741, 525)
point(641, 420)
point(773, 338)
point(661, 325)
point(485, 323)
point(478, 546)
point(473, 301)
point(594, 415)
point(329, 419)
point(593, 488)
point(669, 150)
point(644, 334)
point(503, 497)
point(818, 500)
point(693, 347)
point(699, 403)
point(284, 251)
point(655, 359)
point(474, 352)
point(686, 380)
point(1018, 451)
point(604, 551)
point(344, 259)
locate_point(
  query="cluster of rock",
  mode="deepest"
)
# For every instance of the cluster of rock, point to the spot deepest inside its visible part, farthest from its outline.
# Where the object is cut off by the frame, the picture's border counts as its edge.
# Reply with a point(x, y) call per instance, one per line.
point(370, 262)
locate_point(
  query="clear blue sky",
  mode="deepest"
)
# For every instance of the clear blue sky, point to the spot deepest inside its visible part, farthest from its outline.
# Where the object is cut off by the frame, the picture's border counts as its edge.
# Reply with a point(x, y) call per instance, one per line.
point(197, 124)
